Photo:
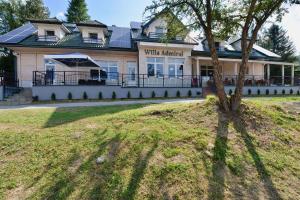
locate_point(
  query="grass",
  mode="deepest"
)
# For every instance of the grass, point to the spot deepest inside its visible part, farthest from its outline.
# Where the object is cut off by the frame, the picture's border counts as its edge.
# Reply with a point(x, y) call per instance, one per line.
point(174, 151)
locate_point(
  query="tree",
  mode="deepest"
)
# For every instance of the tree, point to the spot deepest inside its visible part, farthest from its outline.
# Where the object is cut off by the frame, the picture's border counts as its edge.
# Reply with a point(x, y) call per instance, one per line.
point(276, 40)
point(222, 19)
point(77, 11)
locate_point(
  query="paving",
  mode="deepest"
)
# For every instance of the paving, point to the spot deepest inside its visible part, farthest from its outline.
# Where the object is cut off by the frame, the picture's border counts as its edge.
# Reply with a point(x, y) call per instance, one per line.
point(100, 103)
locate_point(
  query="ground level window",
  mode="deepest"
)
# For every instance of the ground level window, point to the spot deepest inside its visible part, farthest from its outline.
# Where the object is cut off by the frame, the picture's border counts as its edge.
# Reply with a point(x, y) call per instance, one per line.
point(207, 71)
point(155, 67)
point(175, 67)
point(50, 70)
point(111, 68)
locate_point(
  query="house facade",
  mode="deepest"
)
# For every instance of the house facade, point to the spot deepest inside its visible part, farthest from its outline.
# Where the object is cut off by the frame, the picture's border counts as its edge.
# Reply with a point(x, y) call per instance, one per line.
point(57, 57)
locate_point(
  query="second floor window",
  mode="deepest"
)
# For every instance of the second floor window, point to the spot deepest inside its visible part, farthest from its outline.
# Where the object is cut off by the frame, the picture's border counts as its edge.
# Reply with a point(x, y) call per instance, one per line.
point(93, 36)
point(50, 33)
point(159, 30)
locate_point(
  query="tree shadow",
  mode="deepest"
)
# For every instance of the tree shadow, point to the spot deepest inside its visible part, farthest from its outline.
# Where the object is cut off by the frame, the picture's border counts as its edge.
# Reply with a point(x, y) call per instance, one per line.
point(67, 115)
point(216, 183)
point(138, 172)
point(240, 126)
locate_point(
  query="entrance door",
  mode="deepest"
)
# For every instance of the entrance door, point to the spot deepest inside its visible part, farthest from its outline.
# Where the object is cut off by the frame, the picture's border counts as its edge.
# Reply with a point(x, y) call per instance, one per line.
point(207, 74)
point(131, 76)
point(50, 73)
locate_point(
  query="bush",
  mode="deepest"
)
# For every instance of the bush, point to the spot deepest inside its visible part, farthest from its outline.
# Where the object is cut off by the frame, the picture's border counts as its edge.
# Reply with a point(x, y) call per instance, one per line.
point(70, 96)
point(291, 91)
point(153, 94)
point(267, 92)
point(230, 92)
point(275, 92)
point(298, 92)
point(141, 95)
point(258, 92)
point(178, 94)
point(53, 97)
point(100, 96)
point(85, 96)
point(114, 95)
point(283, 91)
point(35, 98)
point(166, 94)
point(128, 95)
point(190, 93)
point(249, 91)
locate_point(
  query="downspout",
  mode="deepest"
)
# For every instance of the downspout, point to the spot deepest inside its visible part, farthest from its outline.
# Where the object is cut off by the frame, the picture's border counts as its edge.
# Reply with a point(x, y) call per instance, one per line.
point(138, 66)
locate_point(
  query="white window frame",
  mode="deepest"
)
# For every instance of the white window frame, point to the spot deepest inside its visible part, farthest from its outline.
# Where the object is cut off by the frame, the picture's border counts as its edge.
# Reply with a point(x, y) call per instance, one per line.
point(109, 64)
point(174, 61)
point(156, 63)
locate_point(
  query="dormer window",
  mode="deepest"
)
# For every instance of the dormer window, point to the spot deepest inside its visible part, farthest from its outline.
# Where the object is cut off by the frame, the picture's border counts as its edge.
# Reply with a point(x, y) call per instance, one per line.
point(48, 37)
point(159, 30)
point(159, 33)
point(93, 38)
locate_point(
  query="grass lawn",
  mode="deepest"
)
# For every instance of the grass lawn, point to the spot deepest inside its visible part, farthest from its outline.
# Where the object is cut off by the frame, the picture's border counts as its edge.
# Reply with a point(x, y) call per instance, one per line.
point(174, 151)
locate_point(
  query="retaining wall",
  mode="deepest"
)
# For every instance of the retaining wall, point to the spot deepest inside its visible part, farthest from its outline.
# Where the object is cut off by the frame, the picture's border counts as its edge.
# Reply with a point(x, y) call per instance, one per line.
point(1, 93)
point(263, 90)
point(61, 92)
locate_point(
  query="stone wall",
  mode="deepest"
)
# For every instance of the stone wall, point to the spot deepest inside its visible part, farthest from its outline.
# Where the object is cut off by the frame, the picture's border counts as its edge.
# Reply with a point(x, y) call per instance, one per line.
point(1, 93)
point(263, 90)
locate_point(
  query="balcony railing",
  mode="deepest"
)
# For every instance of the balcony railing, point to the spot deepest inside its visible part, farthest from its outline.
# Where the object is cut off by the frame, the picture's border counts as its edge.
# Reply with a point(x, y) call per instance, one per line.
point(155, 35)
point(92, 41)
point(47, 38)
point(51, 78)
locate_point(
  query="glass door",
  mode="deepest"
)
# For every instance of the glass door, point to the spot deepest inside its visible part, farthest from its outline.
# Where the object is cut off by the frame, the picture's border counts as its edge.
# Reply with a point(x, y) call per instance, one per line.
point(131, 76)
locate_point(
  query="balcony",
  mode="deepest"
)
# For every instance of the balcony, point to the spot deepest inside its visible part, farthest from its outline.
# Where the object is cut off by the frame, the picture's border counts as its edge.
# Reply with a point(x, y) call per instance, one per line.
point(154, 35)
point(47, 38)
point(92, 40)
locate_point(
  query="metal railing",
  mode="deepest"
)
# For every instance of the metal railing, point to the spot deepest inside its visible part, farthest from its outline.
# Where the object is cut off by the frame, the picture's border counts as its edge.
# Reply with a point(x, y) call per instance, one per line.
point(47, 38)
point(50, 78)
point(154, 35)
point(92, 40)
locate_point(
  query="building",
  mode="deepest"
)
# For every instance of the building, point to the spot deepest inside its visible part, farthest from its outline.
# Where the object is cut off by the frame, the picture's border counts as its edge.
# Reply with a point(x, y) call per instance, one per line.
point(58, 57)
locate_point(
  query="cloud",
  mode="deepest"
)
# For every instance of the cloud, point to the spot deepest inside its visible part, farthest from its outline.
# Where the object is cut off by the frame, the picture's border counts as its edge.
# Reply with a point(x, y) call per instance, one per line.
point(61, 16)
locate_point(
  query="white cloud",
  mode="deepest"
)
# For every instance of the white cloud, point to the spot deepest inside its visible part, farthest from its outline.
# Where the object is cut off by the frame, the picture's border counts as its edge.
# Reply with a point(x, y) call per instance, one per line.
point(61, 16)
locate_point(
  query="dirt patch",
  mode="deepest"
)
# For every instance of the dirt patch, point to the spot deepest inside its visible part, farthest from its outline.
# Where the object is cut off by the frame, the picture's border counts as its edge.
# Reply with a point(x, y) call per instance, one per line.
point(19, 193)
point(163, 113)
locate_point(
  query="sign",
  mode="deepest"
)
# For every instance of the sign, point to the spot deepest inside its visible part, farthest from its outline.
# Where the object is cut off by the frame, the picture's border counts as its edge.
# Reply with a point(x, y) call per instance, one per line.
point(155, 52)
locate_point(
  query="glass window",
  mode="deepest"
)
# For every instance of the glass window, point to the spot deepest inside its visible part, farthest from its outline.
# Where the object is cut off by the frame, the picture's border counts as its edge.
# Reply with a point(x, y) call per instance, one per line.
point(155, 67)
point(172, 71)
point(93, 36)
point(111, 68)
point(50, 33)
point(176, 66)
point(159, 30)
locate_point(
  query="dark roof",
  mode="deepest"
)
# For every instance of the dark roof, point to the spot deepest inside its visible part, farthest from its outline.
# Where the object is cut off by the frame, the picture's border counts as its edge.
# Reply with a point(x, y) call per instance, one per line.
point(255, 55)
point(120, 37)
point(136, 25)
point(92, 23)
point(46, 21)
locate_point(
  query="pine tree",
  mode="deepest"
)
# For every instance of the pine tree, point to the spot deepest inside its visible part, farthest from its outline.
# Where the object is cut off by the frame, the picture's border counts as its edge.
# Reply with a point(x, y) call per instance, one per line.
point(276, 40)
point(77, 11)
point(34, 9)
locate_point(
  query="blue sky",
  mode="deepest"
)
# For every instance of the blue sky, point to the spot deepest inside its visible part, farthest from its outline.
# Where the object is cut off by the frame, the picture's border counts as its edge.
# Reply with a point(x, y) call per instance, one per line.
point(121, 12)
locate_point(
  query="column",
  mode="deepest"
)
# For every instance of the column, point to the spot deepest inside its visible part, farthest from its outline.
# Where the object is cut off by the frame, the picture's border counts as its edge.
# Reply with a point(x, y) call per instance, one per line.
point(282, 74)
point(293, 75)
point(197, 68)
point(268, 73)
point(236, 69)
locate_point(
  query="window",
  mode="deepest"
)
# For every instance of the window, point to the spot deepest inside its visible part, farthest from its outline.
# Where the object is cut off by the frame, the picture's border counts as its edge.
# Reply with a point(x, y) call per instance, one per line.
point(111, 68)
point(50, 70)
point(93, 36)
point(207, 71)
point(159, 30)
point(94, 74)
point(50, 33)
point(176, 67)
point(155, 67)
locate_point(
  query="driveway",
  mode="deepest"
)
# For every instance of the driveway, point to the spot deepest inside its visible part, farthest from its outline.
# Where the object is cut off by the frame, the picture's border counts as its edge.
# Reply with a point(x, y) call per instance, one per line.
point(91, 104)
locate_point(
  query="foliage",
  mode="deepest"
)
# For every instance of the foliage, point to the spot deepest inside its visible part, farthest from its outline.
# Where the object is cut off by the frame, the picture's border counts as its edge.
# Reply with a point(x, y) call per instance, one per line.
point(166, 95)
point(178, 94)
point(53, 96)
point(141, 95)
point(70, 96)
point(128, 95)
point(267, 92)
point(276, 40)
point(77, 11)
point(190, 93)
point(249, 91)
point(153, 95)
point(114, 95)
point(100, 96)
point(85, 96)
point(258, 92)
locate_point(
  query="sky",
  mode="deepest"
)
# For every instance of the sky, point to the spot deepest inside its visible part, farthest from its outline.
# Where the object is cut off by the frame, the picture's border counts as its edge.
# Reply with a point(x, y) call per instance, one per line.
point(122, 12)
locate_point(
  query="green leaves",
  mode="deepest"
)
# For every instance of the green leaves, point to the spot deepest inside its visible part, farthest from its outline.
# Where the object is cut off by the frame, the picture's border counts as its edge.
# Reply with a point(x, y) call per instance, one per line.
point(77, 11)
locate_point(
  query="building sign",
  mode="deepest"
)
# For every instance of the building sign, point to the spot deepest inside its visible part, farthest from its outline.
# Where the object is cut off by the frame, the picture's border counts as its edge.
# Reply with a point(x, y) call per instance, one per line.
point(155, 52)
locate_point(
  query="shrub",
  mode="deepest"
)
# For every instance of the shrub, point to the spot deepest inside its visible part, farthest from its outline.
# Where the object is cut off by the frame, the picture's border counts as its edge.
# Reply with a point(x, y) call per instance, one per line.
point(128, 95)
point(283, 91)
point(153, 94)
point(100, 96)
point(141, 95)
point(190, 93)
point(85, 96)
point(178, 93)
point(298, 92)
point(35, 98)
point(291, 91)
point(275, 92)
point(258, 92)
point(249, 91)
point(114, 95)
point(166, 94)
point(53, 97)
point(230, 92)
point(267, 92)
point(70, 96)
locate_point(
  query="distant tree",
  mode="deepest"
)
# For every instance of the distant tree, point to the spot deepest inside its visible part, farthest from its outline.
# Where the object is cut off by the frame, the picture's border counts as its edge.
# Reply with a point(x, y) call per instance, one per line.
point(77, 11)
point(34, 9)
point(276, 40)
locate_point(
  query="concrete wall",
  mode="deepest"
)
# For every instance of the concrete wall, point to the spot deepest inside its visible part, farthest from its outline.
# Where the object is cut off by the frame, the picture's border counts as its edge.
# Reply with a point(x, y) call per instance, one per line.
point(61, 92)
point(1, 93)
point(263, 90)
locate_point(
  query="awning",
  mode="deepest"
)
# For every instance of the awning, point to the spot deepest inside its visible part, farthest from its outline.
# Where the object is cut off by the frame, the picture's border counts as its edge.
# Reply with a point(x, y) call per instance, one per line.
point(74, 60)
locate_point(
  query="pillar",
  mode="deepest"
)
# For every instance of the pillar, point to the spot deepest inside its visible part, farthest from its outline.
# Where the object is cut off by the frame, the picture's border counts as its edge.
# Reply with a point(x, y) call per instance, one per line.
point(293, 75)
point(268, 73)
point(197, 68)
point(282, 74)
point(236, 69)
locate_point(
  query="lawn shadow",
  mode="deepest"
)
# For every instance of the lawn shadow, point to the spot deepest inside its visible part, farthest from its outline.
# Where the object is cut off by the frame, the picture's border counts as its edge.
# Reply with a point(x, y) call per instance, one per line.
point(67, 115)
point(216, 183)
point(240, 126)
